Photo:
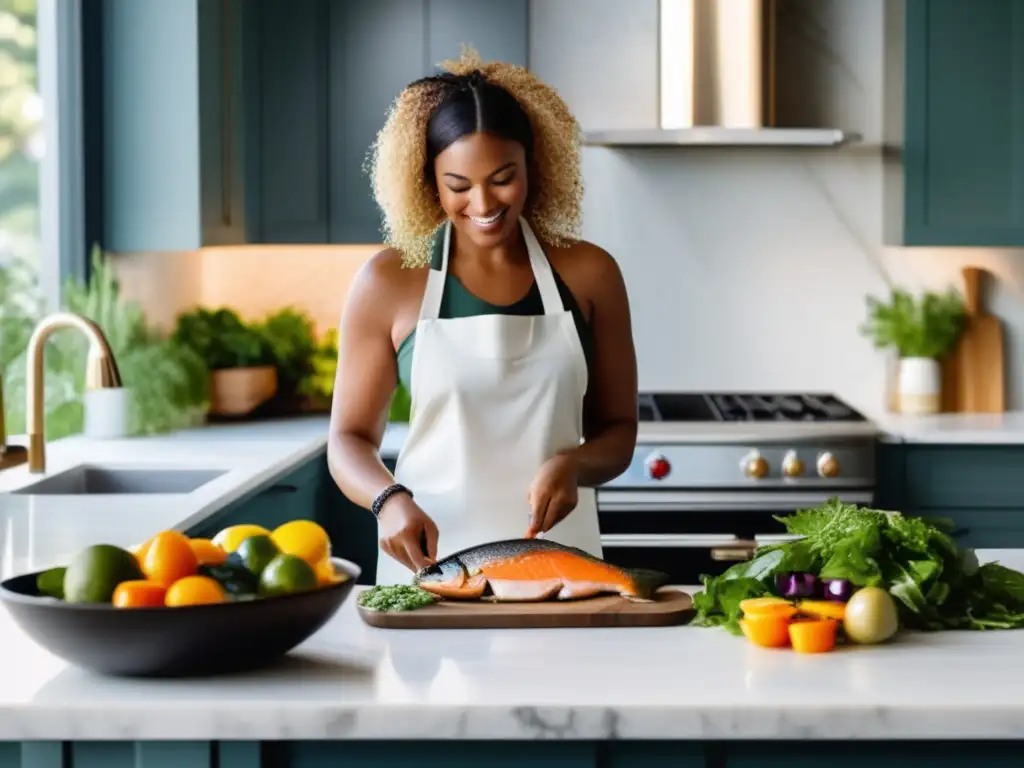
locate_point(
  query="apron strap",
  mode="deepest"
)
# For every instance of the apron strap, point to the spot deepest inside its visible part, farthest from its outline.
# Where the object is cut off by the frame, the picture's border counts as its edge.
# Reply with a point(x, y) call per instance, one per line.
point(430, 309)
point(542, 272)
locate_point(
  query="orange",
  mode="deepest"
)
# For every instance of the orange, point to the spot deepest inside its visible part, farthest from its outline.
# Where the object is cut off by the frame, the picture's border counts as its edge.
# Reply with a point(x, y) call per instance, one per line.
point(325, 573)
point(194, 590)
point(169, 557)
point(138, 594)
point(208, 552)
point(141, 550)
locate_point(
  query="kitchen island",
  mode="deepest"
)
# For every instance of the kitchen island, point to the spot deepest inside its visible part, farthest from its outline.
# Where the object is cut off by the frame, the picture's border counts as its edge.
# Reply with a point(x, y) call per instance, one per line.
point(357, 696)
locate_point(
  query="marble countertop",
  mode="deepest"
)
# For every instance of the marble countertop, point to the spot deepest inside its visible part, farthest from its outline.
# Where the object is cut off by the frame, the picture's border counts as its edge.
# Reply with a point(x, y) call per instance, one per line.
point(352, 681)
point(954, 428)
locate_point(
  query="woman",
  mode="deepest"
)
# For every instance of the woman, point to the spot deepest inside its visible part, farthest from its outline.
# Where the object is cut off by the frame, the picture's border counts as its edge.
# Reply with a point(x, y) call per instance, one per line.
point(511, 335)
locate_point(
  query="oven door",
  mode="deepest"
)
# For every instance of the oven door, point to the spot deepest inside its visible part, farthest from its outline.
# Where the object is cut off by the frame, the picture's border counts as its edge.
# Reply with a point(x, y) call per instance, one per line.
point(688, 534)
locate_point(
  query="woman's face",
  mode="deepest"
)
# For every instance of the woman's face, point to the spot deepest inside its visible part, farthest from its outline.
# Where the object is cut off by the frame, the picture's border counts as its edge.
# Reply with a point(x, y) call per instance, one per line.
point(482, 186)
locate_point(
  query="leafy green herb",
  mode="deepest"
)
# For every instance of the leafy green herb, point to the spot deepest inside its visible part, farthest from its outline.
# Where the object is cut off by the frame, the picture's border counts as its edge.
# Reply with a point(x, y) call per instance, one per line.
point(222, 339)
point(936, 585)
point(290, 335)
point(925, 328)
point(395, 597)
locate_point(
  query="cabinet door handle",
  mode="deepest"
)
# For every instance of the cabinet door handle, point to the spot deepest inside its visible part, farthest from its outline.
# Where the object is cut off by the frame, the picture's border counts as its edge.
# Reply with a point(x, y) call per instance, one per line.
point(284, 489)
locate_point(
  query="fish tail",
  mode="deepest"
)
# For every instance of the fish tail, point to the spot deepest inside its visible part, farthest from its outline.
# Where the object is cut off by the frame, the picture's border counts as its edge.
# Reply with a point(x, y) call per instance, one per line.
point(646, 581)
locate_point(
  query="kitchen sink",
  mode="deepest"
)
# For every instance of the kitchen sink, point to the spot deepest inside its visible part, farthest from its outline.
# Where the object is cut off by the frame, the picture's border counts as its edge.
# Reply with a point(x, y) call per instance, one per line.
point(94, 480)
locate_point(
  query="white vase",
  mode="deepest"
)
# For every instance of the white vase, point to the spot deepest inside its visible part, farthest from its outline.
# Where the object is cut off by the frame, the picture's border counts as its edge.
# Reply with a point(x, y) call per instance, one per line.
point(920, 385)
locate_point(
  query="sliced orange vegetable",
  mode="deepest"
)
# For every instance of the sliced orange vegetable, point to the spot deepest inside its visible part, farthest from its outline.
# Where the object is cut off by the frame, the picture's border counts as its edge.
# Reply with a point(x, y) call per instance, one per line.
point(767, 631)
point(813, 635)
point(781, 608)
point(823, 609)
point(758, 604)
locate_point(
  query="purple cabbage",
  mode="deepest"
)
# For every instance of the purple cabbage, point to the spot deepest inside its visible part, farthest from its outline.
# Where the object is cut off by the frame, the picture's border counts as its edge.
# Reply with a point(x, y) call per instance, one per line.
point(800, 584)
point(839, 590)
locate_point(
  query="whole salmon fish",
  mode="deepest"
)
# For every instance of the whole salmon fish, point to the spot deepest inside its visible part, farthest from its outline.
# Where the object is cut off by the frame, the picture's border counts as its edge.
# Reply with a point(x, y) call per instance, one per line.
point(533, 570)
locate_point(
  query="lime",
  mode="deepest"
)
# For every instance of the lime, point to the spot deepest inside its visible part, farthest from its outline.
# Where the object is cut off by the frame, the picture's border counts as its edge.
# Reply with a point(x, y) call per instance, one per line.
point(257, 551)
point(287, 575)
point(94, 573)
point(51, 582)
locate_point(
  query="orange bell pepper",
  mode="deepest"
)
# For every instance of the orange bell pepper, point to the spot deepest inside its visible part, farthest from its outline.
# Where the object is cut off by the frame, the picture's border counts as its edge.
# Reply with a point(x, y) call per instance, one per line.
point(823, 609)
point(813, 635)
point(767, 630)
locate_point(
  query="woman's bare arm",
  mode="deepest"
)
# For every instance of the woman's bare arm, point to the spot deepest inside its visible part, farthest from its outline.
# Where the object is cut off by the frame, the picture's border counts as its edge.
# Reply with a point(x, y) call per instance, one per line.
point(610, 415)
point(364, 384)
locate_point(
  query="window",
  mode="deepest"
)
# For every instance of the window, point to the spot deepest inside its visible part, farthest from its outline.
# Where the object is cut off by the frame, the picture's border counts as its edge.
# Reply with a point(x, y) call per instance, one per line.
point(41, 198)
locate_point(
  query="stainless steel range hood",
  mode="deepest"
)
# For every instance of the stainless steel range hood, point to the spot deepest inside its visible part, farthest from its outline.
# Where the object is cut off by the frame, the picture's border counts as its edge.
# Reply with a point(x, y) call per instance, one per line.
point(717, 87)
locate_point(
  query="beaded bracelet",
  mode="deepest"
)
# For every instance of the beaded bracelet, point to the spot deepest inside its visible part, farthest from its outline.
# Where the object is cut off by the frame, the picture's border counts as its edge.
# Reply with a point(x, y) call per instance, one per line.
point(386, 494)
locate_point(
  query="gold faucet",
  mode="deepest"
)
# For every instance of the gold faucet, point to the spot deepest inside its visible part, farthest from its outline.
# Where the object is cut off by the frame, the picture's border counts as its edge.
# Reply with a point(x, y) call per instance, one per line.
point(10, 455)
point(100, 373)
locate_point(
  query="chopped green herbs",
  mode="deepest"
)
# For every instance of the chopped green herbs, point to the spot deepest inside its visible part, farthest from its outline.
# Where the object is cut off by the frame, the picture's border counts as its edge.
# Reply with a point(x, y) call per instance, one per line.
point(395, 597)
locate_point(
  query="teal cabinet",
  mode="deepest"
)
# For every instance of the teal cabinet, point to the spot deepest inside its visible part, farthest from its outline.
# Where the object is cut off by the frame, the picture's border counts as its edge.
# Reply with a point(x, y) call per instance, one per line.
point(173, 149)
point(294, 496)
point(321, 76)
point(979, 489)
point(963, 154)
point(353, 530)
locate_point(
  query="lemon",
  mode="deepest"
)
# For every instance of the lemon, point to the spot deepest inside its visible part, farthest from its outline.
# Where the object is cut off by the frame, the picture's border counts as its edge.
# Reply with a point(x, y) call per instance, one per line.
point(304, 539)
point(229, 538)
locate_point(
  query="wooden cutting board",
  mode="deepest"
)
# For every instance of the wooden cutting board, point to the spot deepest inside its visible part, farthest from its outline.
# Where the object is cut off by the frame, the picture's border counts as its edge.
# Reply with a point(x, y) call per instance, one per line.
point(672, 606)
point(978, 357)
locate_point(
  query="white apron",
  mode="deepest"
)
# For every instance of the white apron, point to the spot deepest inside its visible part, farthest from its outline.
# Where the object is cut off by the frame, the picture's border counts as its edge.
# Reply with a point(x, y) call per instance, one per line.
point(493, 398)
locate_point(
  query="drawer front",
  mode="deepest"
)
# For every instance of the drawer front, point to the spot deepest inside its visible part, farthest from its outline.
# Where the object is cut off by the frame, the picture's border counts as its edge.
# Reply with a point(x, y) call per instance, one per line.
point(975, 477)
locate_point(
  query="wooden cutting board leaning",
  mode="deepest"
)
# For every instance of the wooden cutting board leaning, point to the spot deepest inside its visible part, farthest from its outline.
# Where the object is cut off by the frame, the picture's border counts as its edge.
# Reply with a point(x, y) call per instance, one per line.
point(974, 373)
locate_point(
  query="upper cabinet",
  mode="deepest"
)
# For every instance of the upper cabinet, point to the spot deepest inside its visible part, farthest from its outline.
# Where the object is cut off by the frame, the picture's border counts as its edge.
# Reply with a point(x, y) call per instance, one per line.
point(173, 176)
point(234, 121)
point(962, 129)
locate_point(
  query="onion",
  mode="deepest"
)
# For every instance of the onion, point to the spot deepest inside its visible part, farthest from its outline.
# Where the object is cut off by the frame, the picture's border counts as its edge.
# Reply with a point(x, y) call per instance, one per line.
point(797, 584)
point(839, 590)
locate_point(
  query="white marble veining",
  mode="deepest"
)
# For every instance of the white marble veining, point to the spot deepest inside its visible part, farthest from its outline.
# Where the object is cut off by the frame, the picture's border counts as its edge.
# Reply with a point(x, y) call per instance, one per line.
point(954, 428)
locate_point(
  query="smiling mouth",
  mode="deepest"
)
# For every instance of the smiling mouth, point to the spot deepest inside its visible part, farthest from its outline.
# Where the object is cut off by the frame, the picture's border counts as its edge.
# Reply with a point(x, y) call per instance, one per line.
point(489, 221)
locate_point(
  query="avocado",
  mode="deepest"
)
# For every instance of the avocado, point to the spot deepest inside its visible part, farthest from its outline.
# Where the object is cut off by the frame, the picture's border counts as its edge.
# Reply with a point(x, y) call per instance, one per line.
point(94, 573)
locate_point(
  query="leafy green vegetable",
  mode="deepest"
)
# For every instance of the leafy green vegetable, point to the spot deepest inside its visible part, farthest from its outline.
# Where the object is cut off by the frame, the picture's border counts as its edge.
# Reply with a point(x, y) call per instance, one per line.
point(936, 585)
point(925, 328)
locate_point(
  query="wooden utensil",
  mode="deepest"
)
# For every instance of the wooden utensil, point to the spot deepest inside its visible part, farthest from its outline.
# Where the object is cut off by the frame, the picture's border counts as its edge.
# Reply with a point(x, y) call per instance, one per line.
point(979, 354)
point(671, 606)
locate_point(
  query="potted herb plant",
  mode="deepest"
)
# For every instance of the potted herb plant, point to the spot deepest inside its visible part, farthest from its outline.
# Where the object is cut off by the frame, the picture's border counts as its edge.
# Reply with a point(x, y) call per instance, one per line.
point(922, 331)
point(241, 362)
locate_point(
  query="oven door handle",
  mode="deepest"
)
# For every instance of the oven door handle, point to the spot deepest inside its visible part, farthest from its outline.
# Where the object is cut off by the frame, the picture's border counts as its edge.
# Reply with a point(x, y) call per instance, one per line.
point(616, 500)
point(722, 547)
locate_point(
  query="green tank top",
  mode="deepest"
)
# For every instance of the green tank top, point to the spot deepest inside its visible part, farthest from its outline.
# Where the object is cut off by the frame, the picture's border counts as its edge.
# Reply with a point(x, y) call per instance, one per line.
point(457, 301)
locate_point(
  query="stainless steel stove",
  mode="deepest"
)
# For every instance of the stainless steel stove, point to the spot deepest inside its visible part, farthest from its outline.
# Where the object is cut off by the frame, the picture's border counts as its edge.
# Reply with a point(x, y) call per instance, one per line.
point(712, 470)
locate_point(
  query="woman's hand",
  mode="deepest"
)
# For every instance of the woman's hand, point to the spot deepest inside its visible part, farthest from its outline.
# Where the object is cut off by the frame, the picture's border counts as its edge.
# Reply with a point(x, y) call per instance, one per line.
point(553, 493)
point(405, 531)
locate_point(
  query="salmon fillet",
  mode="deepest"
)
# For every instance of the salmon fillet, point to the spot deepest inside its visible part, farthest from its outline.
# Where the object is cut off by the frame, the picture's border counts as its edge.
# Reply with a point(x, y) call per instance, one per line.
point(532, 570)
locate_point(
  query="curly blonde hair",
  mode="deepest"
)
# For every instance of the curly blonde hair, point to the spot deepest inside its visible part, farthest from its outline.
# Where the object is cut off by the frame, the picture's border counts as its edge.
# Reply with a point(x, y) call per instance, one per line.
point(411, 211)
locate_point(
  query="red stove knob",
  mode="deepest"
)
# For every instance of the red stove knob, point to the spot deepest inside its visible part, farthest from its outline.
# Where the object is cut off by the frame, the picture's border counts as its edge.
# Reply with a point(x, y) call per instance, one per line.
point(657, 466)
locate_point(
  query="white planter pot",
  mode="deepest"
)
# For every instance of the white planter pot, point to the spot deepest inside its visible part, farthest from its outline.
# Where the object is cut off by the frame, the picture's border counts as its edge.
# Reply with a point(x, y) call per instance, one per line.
point(920, 385)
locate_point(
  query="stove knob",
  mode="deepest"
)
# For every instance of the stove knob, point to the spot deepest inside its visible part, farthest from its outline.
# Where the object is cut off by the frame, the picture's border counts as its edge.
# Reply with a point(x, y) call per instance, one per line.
point(657, 467)
point(792, 465)
point(755, 465)
point(828, 465)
